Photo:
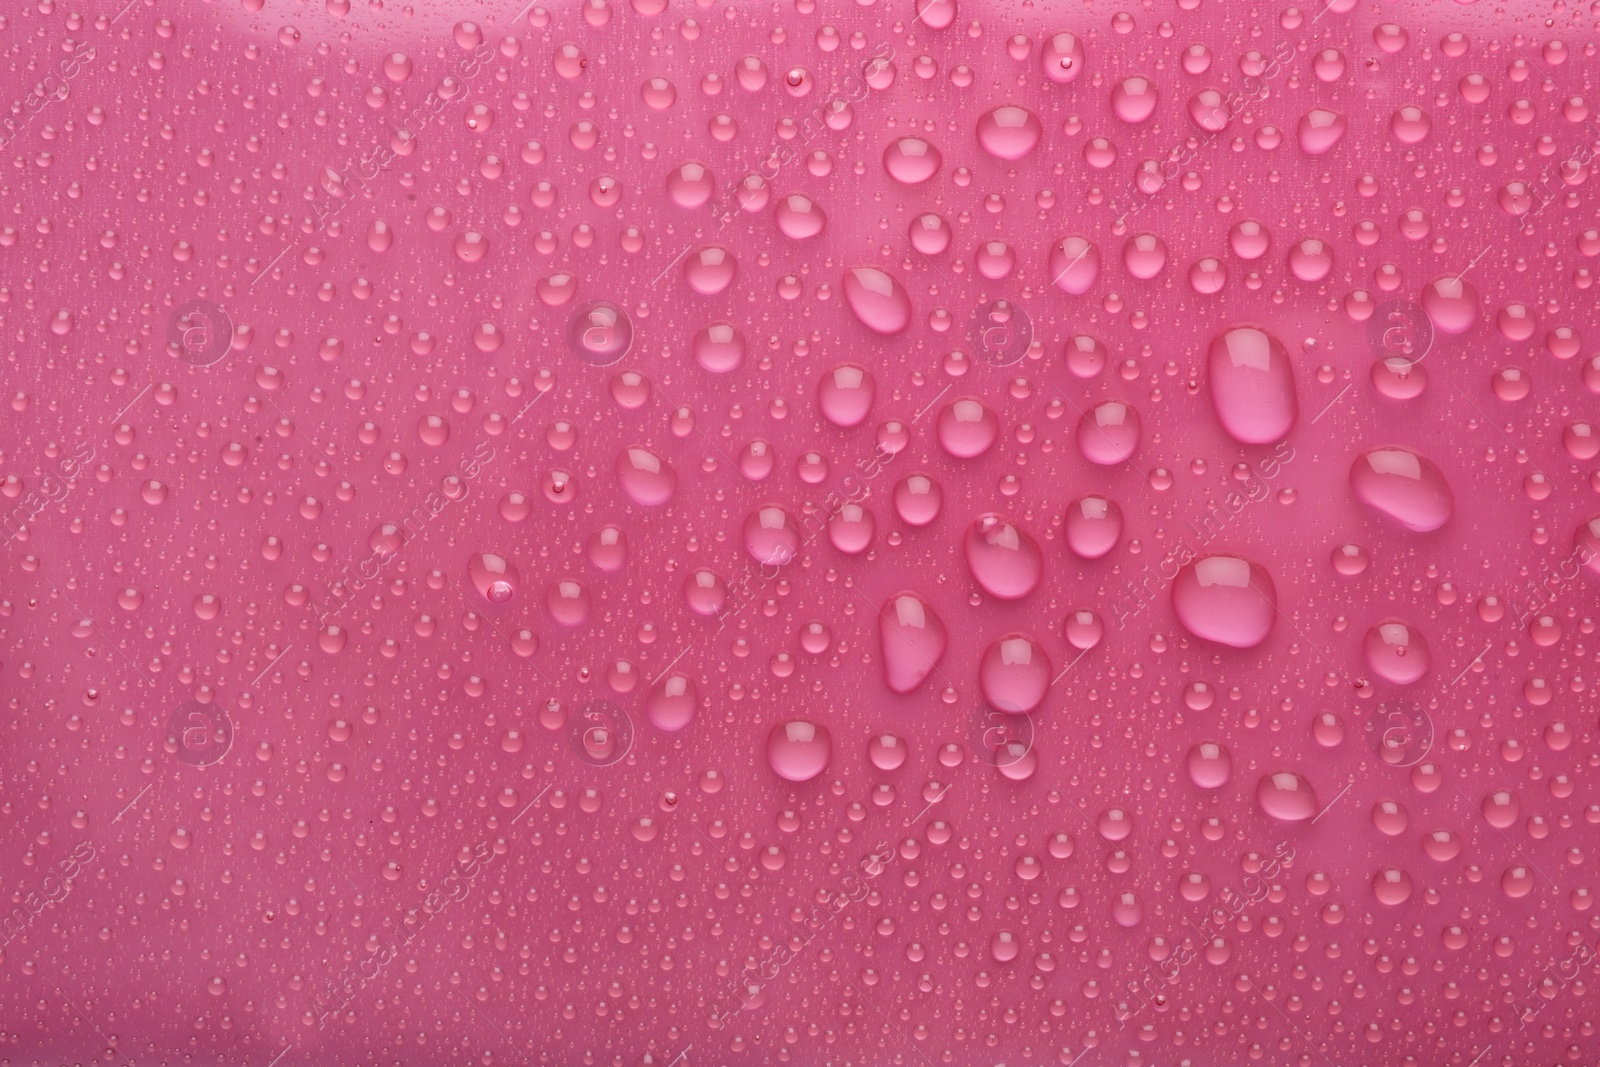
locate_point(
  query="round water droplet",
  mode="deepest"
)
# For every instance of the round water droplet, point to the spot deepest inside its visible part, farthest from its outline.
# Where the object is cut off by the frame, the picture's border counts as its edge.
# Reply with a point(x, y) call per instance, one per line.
point(690, 184)
point(966, 428)
point(1062, 58)
point(1004, 946)
point(845, 395)
point(1451, 304)
point(1286, 796)
point(709, 270)
point(1210, 765)
point(719, 348)
point(1396, 652)
point(911, 160)
point(918, 499)
point(1320, 129)
point(672, 703)
point(1209, 110)
point(1311, 259)
point(1093, 526)
point(851, 528)
point(1014, 674)
point(1108, 433)
point(1350, 560)
point(705, 592)
point(799, 217)
point(1133, 100)
point(1144, 255)
point(1009, 132)
point(567, 601)
point(770, 536)
point(1074, 264)
point(1391, 886)
point(1084, 630)
point(798, 751)
point(1249, 239)
point(1086, 356)
point(936, 14)
point(1410, 125)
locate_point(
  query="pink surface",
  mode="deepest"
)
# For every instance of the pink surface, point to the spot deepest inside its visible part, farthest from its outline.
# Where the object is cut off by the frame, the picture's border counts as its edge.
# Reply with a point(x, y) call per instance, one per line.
point(821, 532)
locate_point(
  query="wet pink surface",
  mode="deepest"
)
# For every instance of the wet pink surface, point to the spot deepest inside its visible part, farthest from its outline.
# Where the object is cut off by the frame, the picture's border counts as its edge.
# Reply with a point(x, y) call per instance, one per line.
point(667, 533)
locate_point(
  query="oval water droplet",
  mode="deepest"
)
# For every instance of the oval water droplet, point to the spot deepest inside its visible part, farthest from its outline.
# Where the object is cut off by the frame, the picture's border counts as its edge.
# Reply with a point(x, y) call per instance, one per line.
point(912, 637)
point(879, 301)
point(1227, 599)
point(1252, 385)
point(1404, 486)
point(647, 478)
point(1004, 560)
point(1009, 132)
